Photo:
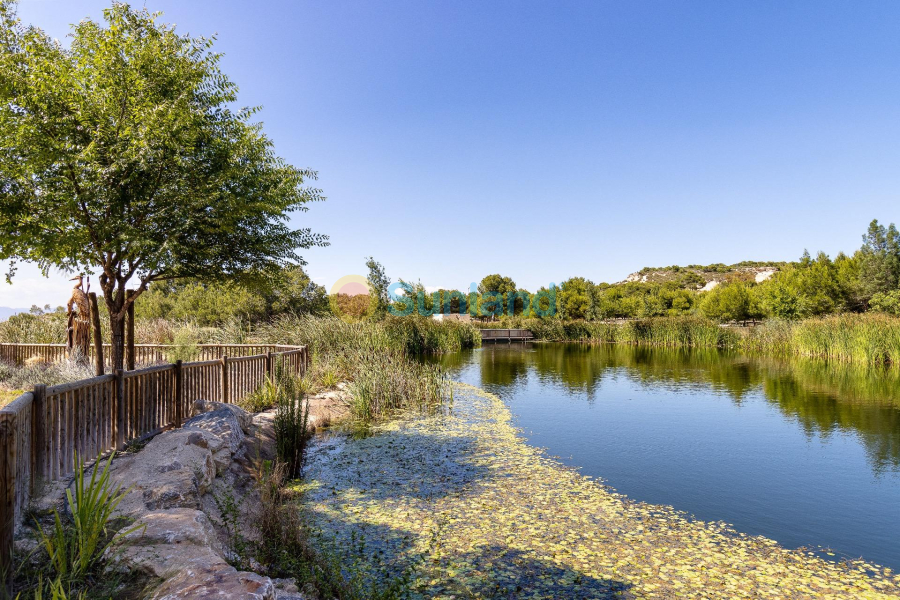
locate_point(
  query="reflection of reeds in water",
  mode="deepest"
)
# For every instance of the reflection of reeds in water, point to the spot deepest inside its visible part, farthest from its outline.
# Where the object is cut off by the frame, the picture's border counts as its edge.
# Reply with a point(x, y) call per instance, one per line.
point(821, 396)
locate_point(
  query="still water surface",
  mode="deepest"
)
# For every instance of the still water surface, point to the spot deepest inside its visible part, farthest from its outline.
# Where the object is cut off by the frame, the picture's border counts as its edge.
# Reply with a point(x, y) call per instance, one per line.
point(798, 451)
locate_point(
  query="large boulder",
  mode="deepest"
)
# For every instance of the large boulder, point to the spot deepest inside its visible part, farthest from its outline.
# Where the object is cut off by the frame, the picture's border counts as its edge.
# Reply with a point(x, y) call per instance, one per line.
point(173, 471)
point(164, 542)
point(180, 547)
point(244, 418)
point(219, 582)
point(224, 425)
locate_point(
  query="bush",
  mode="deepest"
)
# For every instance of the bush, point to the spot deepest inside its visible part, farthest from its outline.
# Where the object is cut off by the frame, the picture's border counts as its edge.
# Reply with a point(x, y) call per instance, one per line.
point(27, 376)
point(886, 302)
point(76, 547)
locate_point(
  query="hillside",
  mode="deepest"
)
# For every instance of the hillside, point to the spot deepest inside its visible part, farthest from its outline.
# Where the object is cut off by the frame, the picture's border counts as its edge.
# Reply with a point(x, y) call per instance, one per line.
point(707, 276)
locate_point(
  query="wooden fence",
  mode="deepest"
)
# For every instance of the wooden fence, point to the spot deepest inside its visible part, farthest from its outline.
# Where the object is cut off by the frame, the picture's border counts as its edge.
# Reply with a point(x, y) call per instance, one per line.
point(145, 354)
point(44, 432)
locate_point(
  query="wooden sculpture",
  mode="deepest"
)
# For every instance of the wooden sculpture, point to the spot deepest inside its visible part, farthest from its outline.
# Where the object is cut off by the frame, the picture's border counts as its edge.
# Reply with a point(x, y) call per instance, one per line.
point(78, 330)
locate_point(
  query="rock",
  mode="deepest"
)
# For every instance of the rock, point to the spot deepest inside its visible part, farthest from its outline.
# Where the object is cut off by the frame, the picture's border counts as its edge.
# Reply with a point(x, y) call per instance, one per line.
point(222, 582)
point(261, 446)
point(287, 586)
point(50, 496)
point(225, 428)
point(180, 547)
point(167, 542)
point(172, 471)
point(279, 595)
point(245, 419)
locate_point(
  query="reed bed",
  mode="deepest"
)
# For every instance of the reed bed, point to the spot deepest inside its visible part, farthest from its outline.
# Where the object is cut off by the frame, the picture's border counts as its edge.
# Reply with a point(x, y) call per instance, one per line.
point(414, 336)
point(658, 331)
point(379, 359)
point(868, 339)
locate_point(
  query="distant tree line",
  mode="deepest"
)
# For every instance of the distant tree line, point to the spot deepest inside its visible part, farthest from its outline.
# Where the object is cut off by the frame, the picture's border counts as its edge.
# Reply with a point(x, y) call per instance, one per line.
point(869, 279)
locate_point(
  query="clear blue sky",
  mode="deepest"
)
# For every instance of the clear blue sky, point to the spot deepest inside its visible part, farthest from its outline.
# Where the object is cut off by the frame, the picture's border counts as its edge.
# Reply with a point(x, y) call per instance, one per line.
point(544, 140)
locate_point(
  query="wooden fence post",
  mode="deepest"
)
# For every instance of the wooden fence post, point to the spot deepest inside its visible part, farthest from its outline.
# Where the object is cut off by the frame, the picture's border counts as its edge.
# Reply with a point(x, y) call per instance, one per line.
point(7, 492)
point(98, 335)
point(129, 332)
point(38, 435)
point(120, 410)
point(179, 394)
point(225, 394)
point(270, 366)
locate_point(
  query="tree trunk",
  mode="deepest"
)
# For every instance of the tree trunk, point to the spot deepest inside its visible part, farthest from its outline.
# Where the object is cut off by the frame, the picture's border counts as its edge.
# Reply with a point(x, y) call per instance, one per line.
point(117, 335)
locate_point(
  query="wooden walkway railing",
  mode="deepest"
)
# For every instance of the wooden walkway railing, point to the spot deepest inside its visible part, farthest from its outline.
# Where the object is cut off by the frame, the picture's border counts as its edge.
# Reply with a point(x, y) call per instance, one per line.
point(44, 432)
point(147, 354)
point(506, 335)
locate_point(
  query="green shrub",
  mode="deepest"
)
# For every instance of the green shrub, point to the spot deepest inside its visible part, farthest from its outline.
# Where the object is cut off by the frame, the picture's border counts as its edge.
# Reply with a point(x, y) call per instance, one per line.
point(77, 547)
point(184, 348)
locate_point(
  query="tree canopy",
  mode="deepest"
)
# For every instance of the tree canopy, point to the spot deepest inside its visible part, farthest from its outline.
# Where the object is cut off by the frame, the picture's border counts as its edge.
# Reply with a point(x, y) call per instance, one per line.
point(123, 155)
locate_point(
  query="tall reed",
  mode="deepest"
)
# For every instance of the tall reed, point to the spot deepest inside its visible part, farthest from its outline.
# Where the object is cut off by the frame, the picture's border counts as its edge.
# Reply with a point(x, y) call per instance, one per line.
point(870, 338)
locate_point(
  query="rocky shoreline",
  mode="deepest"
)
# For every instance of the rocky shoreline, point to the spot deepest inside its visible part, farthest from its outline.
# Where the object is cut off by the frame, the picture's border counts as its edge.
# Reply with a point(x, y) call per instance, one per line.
point(174, 486)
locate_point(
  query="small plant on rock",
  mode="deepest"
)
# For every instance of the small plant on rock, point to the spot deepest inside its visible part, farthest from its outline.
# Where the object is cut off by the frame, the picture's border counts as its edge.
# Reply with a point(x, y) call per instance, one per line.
point(76, 547)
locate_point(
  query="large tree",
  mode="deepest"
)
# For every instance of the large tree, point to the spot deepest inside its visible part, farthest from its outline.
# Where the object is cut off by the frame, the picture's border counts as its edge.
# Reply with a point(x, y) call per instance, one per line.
point(880, 264)
point(122, 155)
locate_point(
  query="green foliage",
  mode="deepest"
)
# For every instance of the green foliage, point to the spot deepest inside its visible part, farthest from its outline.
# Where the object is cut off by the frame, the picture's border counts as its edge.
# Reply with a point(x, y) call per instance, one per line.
point(886, 302)
point(185, 347)
point(378, 358)
point(659, 331)
point(36, 327)
point(880, 259)
point(205, 304)
point(574, 298)
point(379, 299)
point(57, 591)
point(77, 547)
point(811, 288)
point(493, 298)
point(869, 339)
point(121, 154)
point(733, 301)
point(496, 283)
point(291, 291)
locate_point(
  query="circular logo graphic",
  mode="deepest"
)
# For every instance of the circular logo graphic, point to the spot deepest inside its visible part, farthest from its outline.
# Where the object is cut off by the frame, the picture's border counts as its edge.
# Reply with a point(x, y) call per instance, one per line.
point(349, 297)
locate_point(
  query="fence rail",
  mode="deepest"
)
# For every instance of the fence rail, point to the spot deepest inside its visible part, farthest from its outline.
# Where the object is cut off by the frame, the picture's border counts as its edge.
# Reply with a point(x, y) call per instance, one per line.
point(506, 335)
point(147, 354)
point(45, 432)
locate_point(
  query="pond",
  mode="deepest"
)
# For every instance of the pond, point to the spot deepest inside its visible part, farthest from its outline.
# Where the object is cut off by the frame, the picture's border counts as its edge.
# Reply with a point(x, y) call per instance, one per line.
point(801, 452)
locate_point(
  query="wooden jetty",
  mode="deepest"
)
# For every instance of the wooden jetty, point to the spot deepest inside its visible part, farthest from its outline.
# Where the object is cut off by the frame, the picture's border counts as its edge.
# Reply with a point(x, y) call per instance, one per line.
point(506, 335)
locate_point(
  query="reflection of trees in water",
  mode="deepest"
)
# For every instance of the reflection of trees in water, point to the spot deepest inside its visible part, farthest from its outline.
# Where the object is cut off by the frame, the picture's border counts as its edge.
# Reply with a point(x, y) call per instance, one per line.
point(821, 397)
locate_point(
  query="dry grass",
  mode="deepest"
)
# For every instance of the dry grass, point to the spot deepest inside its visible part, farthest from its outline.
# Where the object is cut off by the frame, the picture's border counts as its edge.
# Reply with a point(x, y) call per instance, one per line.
point(7, 396)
